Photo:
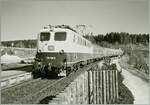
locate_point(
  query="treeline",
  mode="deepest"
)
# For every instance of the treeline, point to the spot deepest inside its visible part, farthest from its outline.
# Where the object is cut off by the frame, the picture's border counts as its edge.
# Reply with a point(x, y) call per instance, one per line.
point(20, 43)
point(119, 38)
point(102, 40)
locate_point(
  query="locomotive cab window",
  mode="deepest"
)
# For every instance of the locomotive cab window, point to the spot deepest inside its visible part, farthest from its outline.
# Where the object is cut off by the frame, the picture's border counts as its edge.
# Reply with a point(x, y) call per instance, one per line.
point(44, 36)
point(60, 36)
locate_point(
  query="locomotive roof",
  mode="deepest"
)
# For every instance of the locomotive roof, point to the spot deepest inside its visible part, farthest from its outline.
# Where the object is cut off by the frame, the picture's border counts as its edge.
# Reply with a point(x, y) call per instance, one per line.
point(56, 29)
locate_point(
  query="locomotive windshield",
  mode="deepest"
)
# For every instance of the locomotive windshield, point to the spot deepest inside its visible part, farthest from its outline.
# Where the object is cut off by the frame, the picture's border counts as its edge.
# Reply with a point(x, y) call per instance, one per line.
point(60, 36)
point(44, 36)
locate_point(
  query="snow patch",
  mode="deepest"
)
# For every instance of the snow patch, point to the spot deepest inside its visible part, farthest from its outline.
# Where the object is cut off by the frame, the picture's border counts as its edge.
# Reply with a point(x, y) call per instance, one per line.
point(10, 59)
point(138, 87)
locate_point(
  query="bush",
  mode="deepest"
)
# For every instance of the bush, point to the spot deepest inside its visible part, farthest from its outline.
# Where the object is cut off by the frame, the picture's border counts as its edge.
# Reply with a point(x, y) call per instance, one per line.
point(138, 60)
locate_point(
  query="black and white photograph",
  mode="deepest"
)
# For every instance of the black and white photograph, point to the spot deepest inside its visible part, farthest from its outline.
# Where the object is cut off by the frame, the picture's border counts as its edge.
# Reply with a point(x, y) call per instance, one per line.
point(74, 52)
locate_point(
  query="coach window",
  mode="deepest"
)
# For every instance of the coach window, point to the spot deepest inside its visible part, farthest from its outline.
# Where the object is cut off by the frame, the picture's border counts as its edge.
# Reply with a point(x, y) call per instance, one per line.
point(83, 42)
point(74, 39)
point(79, 41)
point(44, 36)
point(60, 36)
point(89, 45)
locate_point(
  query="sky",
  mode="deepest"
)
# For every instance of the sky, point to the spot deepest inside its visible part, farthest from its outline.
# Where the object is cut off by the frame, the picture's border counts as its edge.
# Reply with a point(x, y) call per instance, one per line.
point(25, 18)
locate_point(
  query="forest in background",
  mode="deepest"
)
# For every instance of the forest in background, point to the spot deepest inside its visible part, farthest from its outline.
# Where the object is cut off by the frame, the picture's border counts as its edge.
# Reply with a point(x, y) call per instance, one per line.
point(113, 38)
point(20, 43)
point(116, 38)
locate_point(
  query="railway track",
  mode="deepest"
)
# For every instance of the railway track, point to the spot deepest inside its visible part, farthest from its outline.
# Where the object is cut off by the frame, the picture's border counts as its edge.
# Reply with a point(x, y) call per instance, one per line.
point(19, 84)
point(12, 81)
point(20, 92)
point(15, 75)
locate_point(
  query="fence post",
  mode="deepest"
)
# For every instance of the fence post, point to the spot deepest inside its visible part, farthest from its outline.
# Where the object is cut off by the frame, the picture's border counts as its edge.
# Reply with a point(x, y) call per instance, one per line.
point(94, 85)
point(111, 86)
point(107, 84)
point(116, 84)
point(86, 88)
point(89, 87)
point(114, 87)
point(100, 92)
point(104, 86)
point(98, 87)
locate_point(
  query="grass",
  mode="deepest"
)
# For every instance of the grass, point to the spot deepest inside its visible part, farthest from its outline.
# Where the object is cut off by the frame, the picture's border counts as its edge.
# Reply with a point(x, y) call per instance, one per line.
point(125, 95)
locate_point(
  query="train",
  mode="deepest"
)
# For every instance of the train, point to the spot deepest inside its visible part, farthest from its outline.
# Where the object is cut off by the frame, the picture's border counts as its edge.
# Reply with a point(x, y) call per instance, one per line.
point(62, 50)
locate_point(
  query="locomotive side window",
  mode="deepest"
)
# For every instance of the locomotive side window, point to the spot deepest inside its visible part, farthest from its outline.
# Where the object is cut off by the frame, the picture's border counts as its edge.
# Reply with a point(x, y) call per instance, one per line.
point(78, 40)
point(44, 36)
point(60, 36)
point(74, 39)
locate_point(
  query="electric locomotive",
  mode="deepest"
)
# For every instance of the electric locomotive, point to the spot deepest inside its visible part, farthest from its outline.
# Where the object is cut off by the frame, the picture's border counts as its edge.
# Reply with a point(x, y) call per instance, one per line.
point(60, 49)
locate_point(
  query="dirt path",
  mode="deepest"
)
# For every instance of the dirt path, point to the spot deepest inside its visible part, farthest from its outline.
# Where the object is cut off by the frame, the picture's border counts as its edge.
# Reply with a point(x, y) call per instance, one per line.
point(138, 87)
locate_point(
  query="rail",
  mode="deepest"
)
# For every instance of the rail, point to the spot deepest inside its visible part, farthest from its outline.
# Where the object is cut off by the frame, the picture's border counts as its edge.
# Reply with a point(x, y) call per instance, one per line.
point(15, 79)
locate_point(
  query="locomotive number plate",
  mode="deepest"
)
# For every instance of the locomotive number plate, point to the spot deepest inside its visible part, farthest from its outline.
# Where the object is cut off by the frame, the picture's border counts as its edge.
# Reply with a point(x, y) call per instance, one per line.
point(51, 57)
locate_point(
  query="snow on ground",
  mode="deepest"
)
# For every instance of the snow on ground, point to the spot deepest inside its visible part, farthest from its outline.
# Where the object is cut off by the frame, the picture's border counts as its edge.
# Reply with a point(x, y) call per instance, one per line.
point(138, 87)
point(10, 59)
point(5, 74)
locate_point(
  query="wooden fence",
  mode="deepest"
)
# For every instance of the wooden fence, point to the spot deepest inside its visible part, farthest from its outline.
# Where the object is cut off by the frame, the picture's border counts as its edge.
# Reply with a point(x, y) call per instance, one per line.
point(103, 86)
